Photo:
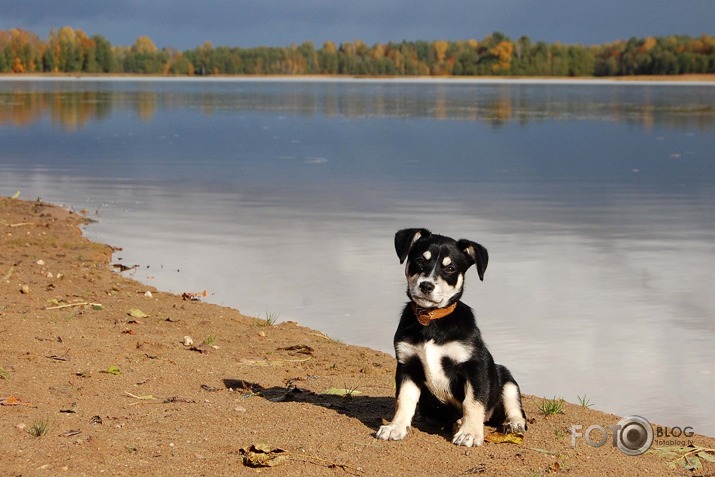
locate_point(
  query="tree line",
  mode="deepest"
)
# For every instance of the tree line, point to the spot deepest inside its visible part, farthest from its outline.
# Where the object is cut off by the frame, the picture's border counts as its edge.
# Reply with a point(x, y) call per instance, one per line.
point(69, 50)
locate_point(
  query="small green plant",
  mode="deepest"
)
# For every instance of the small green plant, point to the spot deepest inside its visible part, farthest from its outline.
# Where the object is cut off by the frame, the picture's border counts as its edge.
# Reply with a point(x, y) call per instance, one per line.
point(112, 370)
point(271, 318)
point(549, 407)
point(584, 401)
point(345, 391)
point(349, 392)
point(4, 374)
point(210, 340)
point(39, 428)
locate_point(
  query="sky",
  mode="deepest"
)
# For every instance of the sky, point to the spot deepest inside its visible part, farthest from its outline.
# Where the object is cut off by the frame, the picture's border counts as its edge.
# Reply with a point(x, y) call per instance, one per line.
point(186, 24)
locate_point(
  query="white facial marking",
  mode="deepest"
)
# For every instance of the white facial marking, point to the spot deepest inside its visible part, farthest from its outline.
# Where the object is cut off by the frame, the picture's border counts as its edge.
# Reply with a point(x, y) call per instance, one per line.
point(460, 282)
point(427, 255)
point(431, 355)
point(447, 261)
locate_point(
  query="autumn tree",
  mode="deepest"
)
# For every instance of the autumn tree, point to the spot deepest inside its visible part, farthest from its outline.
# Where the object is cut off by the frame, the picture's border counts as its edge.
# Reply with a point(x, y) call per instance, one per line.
point(144, 57)
point(502, 54)
point(21, 51)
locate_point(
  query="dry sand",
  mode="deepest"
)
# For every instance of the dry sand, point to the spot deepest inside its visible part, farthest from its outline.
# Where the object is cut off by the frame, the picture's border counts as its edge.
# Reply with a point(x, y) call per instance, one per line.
point(123, 395)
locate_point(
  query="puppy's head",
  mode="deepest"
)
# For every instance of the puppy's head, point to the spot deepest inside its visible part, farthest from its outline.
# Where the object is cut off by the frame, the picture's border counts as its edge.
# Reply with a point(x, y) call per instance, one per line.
point(435, 265)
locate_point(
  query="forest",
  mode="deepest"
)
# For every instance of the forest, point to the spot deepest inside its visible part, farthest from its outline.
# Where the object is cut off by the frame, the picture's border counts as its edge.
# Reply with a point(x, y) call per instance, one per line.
point(72, 51)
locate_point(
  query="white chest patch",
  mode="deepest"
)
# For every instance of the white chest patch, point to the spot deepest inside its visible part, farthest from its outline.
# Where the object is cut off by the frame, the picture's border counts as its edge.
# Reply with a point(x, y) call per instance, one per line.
point(431, 356)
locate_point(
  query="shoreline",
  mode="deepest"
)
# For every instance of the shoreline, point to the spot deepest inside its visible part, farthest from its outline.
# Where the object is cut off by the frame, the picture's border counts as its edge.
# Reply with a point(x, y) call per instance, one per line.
point(668, 80)
point(70, 321)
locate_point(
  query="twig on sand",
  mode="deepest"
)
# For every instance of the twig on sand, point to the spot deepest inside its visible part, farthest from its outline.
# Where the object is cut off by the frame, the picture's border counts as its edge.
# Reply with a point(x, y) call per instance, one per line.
point(311, 459)
point(147, 397)
point(19, 224)
point(68, 305)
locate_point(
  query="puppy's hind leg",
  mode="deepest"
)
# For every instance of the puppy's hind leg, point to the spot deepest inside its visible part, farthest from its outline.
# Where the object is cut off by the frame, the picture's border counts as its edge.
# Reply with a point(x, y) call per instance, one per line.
point(407, 397)
point(515, 418)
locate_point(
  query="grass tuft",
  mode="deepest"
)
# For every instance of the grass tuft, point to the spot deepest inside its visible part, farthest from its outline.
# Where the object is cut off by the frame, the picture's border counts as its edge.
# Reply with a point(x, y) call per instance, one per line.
point(39, 428)
point(584, 401)
point(549, 407)
point(271, 318)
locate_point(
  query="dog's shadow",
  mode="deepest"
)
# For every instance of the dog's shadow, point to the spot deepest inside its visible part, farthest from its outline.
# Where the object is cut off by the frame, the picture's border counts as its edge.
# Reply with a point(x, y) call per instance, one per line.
point(372, 411)
point(369, 410)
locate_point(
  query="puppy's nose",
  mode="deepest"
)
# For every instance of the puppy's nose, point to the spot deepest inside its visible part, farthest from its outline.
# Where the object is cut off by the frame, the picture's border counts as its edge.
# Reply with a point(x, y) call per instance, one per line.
point(426, 287)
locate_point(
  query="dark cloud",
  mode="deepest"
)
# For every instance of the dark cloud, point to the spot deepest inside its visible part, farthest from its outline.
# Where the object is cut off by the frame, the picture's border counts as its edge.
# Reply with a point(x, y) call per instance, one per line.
point(186, 24)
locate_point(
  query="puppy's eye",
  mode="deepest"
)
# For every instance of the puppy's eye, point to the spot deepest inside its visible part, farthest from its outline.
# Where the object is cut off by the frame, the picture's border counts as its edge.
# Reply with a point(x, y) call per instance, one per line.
point(419, 261)
point(450, 269)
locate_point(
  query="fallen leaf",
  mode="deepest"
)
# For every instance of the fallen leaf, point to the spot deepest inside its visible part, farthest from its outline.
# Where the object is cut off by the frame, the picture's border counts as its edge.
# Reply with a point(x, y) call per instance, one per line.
point(499, 438)
point(124, 268)
point(13, 401)
point(147, 397)
point(193, 296)
point(263, 455)
point(8, 274)
point(692, 463)
point(705, 455)
point(112, 370)
point(301, 348)
point(137, 313)
point(71, 432)
point(271, 362)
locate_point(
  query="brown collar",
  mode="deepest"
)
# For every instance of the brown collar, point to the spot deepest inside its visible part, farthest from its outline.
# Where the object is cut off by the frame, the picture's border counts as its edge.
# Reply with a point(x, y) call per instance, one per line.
point(426, 315)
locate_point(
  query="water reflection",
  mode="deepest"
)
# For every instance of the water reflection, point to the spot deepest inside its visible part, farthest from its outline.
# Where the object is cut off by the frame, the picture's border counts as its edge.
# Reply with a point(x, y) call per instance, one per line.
point(595, 204)
point(73, 105)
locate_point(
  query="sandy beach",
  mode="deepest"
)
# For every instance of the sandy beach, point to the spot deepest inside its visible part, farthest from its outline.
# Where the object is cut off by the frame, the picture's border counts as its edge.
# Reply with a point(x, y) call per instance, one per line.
point(103, 375)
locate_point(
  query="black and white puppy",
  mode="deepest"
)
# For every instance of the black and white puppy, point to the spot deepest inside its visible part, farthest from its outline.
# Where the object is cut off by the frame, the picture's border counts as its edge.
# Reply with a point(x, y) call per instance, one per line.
point(443, 366)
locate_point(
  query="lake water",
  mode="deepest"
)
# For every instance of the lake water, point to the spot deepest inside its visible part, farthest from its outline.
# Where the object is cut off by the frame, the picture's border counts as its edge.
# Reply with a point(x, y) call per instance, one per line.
point(596, 202)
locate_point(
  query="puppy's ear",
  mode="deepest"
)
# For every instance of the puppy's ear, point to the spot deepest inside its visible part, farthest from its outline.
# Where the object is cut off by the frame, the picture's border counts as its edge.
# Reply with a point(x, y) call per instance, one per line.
point(476, 254)
point(405, 238)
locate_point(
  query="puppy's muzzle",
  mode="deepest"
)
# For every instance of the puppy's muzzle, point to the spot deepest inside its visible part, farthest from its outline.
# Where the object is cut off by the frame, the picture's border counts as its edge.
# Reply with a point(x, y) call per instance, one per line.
point(426, 287)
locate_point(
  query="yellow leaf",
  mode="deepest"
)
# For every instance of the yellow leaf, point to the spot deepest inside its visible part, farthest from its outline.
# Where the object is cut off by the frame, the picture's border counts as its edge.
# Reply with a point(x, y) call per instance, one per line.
point(264, 455)
point(137, 313)
point(499, 438)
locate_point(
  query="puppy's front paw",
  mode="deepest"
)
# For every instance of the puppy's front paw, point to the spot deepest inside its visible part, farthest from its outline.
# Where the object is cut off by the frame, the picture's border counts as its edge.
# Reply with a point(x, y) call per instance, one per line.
point(392, 432)
point(469, 436)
